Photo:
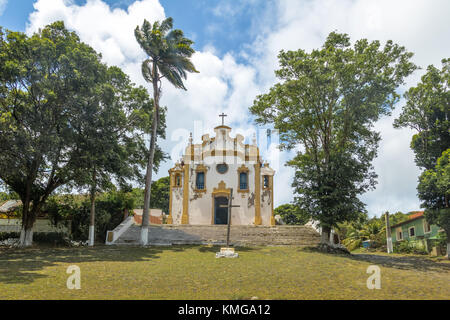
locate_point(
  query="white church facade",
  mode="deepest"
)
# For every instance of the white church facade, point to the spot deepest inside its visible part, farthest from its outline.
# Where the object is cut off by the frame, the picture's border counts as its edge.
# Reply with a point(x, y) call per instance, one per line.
point(201, 183)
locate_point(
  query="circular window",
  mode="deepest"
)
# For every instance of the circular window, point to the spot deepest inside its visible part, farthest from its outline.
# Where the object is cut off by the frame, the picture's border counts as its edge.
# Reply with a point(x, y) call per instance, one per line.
point(222, 168)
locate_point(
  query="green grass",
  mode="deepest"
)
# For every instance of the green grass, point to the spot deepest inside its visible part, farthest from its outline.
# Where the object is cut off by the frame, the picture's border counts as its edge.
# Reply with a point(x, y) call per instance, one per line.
point(193, 272)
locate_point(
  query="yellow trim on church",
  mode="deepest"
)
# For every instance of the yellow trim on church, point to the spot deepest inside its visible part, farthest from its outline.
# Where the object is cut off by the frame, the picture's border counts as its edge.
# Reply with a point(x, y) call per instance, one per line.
point(173, 174)
point(185, 215)
point(201, 168)
point(258, 219)
point(221, 191)
point(272, 217)
point(242, 168)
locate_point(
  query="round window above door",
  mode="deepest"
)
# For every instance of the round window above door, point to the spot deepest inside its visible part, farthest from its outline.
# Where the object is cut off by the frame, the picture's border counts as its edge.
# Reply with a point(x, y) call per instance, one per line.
point(222, 168)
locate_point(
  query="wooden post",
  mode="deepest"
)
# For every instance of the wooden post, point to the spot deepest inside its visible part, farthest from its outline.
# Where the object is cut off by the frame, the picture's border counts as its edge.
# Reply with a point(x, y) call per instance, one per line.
point(388, 234)
point(229, 206)
point(230, 201)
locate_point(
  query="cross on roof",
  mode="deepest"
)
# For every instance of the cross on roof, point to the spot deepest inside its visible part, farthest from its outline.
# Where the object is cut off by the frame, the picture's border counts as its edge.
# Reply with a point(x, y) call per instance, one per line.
point(223, 115)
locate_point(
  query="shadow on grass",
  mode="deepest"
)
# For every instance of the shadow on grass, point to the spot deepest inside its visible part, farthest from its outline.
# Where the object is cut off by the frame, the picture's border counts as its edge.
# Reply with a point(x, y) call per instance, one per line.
point(417, 263)
point(403, 262)
point(23, 265)
point(216, 248)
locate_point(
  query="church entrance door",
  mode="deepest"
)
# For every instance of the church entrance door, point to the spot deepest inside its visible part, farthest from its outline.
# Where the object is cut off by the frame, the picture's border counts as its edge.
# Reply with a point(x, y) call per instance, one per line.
point(220, 214)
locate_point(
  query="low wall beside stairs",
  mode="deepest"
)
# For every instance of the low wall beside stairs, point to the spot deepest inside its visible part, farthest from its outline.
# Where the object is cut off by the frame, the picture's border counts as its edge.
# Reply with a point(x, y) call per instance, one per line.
point(216, 235)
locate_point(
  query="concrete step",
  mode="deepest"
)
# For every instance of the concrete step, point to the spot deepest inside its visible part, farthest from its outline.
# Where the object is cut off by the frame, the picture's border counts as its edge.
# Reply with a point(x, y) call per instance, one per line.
point(239, 235)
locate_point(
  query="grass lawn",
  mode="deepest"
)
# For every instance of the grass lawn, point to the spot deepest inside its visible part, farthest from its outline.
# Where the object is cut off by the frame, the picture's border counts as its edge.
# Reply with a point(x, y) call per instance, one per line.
point(193, 272)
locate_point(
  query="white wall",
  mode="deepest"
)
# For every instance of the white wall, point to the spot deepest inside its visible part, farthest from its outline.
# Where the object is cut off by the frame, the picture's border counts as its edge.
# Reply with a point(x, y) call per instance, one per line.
point(200, 204)
point(41, 225)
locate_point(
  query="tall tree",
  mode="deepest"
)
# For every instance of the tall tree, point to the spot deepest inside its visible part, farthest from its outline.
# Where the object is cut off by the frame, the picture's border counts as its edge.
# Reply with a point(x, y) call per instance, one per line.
point(434, 191)
point(169, 55)
point(427, 111)
point(51, 89)
point(292, 214)
point(326, 104)
point(43, 81)
point(115, 119)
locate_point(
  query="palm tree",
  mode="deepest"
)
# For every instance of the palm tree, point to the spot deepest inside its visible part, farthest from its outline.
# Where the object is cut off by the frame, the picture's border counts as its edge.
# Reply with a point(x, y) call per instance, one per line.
point(373, 230)
point(169, 55)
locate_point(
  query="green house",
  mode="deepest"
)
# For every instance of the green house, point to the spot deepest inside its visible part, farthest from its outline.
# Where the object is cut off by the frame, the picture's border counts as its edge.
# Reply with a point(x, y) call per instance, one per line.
point(416, 230)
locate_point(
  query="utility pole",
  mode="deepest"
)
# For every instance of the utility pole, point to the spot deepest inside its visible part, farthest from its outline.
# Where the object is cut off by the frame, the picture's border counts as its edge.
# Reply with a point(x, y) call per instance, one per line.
point(388, 233)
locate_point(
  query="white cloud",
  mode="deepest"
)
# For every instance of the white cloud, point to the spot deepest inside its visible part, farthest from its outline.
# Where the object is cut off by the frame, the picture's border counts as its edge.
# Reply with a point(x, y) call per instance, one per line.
point(3, 4)
point(109, 31)
point(419, 25)
point(223, 84)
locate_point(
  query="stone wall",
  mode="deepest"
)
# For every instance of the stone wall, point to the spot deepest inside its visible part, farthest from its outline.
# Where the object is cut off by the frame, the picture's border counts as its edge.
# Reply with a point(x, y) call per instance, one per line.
point(41, 225)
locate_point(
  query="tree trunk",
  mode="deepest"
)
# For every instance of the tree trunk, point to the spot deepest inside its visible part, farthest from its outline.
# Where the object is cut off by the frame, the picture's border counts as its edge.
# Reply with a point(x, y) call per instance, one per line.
point(148, 175)
point(125, 214)
point(92, 220)
point(326, 231)
point(28, 219)
point(388, 234)
point(448, 244)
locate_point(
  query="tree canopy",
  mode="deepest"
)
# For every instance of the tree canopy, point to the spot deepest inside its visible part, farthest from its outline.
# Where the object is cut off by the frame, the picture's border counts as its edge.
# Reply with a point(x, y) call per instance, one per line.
point(325, 105)
point(427, 111)
point(62, 114)
point(169, 54)
point(292, 214)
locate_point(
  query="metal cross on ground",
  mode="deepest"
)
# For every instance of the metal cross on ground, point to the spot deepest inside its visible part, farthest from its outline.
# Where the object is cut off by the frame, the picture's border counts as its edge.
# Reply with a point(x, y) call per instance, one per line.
point(229, 206)
point(223, 115)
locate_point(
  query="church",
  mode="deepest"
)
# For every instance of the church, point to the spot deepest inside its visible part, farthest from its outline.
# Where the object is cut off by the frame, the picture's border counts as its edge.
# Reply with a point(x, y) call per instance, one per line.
point(201, 183)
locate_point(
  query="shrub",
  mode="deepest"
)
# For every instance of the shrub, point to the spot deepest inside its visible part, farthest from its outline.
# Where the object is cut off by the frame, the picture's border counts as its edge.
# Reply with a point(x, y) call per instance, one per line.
point(55, 238)
point(8, 235)
point(407, 246)
point(109, 213)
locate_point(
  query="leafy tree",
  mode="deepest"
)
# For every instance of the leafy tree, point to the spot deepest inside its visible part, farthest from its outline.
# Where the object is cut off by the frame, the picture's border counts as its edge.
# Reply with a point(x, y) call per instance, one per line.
point(55, 97)
point(169, 55)
point(160, 194)
point(394, 218)
point(427, 112)
point(326, 104)
point(292, 214)
point(116, 118)
point(110, 208)
point(434, 191)
point(43, 81)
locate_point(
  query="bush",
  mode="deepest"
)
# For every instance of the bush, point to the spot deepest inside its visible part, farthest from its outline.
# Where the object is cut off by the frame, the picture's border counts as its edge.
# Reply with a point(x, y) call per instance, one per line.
point(8, 235)
point(54, 238)
point(407, 246)
point(109, 213)
point(292, 214)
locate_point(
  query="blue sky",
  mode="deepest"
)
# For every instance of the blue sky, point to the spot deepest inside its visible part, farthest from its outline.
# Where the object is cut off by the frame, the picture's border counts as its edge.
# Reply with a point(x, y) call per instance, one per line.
point(201, 20)
point(237, 44)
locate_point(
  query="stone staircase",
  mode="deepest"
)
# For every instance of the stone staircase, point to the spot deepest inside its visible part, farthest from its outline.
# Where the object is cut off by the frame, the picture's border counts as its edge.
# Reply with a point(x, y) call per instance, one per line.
point(216, 235)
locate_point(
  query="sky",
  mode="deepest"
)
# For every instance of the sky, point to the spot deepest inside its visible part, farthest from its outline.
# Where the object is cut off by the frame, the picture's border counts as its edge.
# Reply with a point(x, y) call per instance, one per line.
point(237, 43)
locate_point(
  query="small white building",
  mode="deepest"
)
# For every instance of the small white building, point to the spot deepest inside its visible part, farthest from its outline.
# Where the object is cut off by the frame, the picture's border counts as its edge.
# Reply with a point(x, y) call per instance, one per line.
point(200, 184)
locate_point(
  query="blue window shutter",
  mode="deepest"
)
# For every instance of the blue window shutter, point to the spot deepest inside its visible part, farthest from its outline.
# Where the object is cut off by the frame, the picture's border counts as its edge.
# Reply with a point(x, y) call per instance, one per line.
point(243, 181)
point(200, 183)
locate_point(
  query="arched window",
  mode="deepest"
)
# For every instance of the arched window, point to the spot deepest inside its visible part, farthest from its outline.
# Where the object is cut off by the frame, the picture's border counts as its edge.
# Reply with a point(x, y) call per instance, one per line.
point(243, 181)
point(177, 180)
point(200, 181)
point(266, 181)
